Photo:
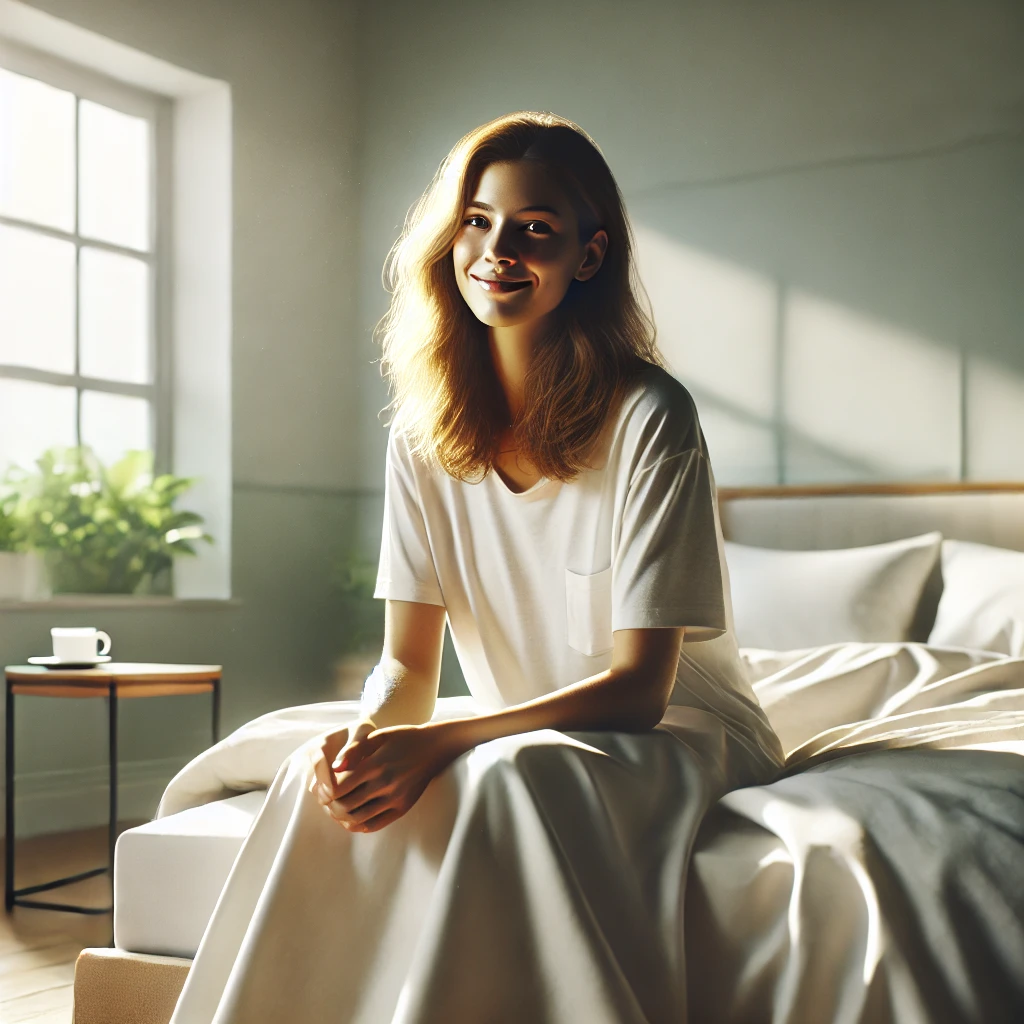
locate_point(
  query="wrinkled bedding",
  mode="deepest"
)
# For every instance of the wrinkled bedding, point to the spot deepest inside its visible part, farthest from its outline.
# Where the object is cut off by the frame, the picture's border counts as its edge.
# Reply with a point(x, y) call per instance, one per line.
point(828, 701)
point(881, 886)
point(880, 878)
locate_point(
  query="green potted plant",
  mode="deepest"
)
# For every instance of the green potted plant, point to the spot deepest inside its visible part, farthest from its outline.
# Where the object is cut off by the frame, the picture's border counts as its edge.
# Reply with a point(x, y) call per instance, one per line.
point(21, 572)
point(11, 556)
point(354, 576)
point(10, 525)
point(107, 530)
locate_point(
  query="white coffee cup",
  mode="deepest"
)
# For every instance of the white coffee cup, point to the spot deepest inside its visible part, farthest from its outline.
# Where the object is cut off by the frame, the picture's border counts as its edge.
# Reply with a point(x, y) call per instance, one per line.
point(78, 643)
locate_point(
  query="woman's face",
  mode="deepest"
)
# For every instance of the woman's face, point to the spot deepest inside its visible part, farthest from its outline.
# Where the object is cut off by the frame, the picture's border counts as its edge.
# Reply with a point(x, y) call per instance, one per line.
point(518, 247)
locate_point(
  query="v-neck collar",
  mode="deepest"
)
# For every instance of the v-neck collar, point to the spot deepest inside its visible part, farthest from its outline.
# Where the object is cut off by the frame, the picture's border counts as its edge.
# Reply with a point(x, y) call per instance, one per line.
point(536, 490)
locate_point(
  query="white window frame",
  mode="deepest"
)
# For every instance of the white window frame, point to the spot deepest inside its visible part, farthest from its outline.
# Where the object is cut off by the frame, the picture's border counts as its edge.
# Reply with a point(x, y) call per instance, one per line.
point(89, 85)
point(194, 206)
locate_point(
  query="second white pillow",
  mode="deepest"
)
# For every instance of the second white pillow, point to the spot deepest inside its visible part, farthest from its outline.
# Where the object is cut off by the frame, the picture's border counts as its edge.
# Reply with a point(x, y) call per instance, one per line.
point(982, 603)
point(784, 600)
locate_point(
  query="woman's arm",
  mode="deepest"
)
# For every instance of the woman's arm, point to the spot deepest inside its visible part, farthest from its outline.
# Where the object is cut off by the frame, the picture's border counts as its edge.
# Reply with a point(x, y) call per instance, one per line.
point(384, 772)
point(630, 696)
point(402, 689)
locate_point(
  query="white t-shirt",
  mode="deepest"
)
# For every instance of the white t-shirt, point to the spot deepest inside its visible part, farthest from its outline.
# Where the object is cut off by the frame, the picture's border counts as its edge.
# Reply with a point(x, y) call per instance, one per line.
point(535, 583)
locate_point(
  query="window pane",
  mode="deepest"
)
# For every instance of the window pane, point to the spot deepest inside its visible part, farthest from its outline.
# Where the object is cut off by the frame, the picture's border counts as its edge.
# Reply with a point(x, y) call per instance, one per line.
point(114, 323)
point(114, 424)
point(33, 417)
point(114, 176)
point(37, 301)
point(37, 151)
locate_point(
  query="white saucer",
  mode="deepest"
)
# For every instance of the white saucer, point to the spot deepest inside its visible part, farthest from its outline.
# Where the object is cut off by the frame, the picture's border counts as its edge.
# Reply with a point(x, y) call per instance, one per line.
point(52, 661)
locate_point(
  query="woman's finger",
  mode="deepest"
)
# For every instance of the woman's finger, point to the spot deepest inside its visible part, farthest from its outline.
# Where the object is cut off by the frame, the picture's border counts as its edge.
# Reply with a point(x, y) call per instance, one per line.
point(368, 789)
point(351, 783)
point(358, 732)
point(323, 754)
point(347, 805)
point(368, 810)
point(367, 770)
point(382, 819)
point(346, 823)
point(373, 823)
point(339, 817)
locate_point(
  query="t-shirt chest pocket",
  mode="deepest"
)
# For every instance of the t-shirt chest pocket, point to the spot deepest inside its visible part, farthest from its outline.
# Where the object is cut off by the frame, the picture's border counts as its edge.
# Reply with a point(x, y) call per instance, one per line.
point(588, 611)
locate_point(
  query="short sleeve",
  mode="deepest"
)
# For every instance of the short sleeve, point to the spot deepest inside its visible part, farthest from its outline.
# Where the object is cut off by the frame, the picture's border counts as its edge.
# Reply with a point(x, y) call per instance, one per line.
point(666, 564)
point(406, 571)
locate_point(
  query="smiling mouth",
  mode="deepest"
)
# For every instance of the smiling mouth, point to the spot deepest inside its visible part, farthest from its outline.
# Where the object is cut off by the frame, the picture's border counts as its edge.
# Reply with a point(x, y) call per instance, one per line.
point(500, 285)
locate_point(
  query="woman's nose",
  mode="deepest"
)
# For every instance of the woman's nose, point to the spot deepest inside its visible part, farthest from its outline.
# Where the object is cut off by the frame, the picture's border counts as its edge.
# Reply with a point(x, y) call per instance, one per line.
point(500, 263)
point(499, 252)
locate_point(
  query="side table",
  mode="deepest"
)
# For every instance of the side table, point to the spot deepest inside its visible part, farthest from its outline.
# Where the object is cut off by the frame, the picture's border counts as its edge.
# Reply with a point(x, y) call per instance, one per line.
point(113, 681)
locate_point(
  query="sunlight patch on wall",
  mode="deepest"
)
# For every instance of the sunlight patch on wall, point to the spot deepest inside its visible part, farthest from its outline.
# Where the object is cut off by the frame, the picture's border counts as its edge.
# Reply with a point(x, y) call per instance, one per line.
point(716, 327)
point(865, 399)
point(995, 421)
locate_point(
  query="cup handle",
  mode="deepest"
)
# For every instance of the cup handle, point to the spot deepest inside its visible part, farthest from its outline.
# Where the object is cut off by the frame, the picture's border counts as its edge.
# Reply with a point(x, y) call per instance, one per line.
point(105, 641)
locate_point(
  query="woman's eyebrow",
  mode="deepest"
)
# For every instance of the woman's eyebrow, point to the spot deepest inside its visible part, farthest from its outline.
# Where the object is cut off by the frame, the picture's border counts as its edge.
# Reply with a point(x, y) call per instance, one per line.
point(540, 209)
point(525, 209)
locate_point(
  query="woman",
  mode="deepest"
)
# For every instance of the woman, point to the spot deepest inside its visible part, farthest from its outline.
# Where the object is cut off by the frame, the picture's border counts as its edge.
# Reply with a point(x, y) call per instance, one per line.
point(549, 493)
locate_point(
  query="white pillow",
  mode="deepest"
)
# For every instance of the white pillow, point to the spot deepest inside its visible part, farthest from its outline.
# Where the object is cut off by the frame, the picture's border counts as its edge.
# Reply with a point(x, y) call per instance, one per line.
point(783, 600)
point(982, 603)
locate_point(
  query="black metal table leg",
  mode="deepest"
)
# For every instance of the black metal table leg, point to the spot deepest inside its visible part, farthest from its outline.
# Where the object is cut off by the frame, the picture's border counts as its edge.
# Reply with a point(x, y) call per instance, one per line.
point(18, 897)
point(9, 800)
point(216, 709)
point(112, 755)
point(112, 727)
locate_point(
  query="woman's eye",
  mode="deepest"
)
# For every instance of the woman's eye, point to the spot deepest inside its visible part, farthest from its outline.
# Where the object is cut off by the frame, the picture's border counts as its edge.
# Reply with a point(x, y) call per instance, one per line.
point(476, 221)
point(538, 227)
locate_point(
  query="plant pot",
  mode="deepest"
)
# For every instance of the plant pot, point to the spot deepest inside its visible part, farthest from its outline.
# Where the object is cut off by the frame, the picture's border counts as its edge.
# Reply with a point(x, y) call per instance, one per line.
point(350, 672)
point(86, 576)
point(91, 576)
point(22, 577)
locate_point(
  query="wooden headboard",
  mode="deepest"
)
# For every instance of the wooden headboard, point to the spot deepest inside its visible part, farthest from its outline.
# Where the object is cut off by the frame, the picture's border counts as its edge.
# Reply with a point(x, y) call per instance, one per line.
point(848, 515)
point(823, 516)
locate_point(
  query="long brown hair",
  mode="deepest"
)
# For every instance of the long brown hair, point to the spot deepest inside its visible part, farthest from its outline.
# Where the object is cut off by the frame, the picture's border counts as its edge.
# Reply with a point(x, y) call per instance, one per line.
point(446, 394)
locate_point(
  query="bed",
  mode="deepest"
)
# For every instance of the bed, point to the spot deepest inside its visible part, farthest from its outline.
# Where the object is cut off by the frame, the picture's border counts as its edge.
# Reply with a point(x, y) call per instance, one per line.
point(880, 878)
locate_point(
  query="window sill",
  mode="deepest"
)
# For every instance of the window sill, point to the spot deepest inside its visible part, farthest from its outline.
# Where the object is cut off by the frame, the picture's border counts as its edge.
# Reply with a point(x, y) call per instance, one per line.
point(121, 602)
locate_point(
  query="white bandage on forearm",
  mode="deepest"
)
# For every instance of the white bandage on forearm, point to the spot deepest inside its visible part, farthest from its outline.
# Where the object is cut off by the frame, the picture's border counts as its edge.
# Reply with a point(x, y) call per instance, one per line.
point(377, 690)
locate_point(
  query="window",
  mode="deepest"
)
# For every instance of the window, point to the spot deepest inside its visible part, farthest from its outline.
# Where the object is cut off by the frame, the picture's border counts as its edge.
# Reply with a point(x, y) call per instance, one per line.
point(84, 346)
point(128, 340)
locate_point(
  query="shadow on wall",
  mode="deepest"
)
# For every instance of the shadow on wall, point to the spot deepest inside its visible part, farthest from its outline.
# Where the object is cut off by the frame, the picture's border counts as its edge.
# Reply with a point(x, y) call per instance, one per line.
point(848, 322)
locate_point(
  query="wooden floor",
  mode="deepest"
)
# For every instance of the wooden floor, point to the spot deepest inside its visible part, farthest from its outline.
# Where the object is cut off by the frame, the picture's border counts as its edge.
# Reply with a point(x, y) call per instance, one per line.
point(38, 948)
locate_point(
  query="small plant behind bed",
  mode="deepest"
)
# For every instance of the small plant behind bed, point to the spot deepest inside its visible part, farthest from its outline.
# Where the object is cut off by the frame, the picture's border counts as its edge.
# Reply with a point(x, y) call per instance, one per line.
point(107, 530)
point(361, 630)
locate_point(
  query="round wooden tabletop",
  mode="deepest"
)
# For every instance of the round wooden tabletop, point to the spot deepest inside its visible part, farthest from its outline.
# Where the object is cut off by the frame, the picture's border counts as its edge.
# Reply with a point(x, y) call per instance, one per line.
point(128, 679)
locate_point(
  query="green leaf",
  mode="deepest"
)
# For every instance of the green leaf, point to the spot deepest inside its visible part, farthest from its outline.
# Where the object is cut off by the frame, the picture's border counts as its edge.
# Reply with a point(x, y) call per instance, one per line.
point(131, 473)
point(104, 528)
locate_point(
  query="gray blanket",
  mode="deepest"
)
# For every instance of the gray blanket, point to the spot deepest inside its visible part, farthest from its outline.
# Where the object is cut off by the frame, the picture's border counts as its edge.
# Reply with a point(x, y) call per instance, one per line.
point(883, 886)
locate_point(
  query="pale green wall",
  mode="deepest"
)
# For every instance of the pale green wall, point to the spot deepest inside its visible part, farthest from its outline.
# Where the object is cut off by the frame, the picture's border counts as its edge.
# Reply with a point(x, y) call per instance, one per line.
point(846, 178)
point(295, 409)
point(826, 196)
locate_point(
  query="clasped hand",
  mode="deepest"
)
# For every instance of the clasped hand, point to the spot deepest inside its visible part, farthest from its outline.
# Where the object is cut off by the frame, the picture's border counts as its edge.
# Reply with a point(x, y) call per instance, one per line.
point(366, 778)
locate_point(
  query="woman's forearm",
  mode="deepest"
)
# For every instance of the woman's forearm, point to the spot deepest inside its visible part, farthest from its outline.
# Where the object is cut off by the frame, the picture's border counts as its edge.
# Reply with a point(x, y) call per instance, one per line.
point(393, 694)
point(622, 701)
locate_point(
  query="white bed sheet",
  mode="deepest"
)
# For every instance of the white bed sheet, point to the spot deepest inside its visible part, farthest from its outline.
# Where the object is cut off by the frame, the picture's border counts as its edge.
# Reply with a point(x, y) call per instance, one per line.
point(169, 872)
point(880, 880)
